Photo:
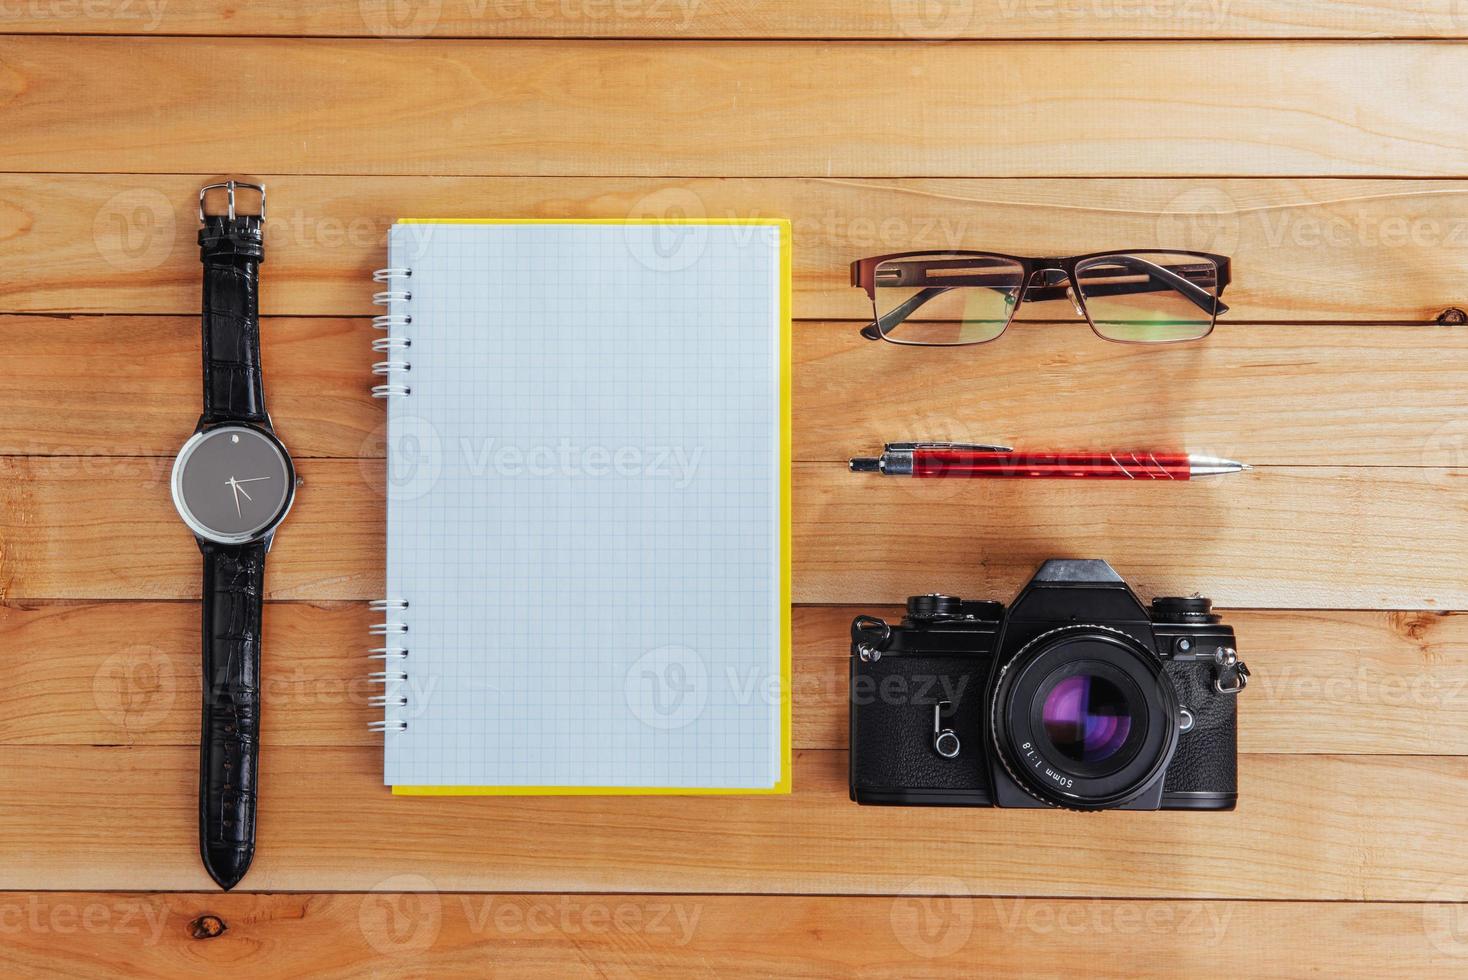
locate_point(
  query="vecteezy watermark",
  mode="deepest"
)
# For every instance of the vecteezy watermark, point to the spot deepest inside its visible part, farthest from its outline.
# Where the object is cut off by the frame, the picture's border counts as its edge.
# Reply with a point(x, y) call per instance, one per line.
point(401, 915)
point(1206, 217)
point(135, 688)
point(1201, 13)
point(668, 687)
point(939, 20)
point(933, 917)
point(419, 459)
point(135, 229)
point(899, 691)
point(1447, 446)
point(677, 465)
point(1291, 685)
point(419, 18)
point(1445, 18)
point(571, 916)
point(145, 15)
point(57, 915)
point(404, 916)
point(1204, 923)
point(1445, 918)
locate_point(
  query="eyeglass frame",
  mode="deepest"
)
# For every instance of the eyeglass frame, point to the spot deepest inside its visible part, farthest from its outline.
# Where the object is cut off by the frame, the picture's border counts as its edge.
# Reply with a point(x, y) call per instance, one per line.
point(864, 271)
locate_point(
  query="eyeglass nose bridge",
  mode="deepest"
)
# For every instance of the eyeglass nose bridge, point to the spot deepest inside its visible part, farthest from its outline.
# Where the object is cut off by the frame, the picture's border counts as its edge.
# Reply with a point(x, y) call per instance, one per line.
point(1048, 274)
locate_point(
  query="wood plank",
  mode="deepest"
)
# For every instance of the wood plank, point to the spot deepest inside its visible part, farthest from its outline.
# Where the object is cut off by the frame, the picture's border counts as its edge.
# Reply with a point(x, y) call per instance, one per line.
point(1396, 682)
point(1280, 537)
point(93, 527)
point(727, 108)
point(1263, 394)
point(622, 935)
point(1338, 249)
point(130, 387)
point(687, 19)
point(1324, 682)
point(107, 818)
point(141, 687)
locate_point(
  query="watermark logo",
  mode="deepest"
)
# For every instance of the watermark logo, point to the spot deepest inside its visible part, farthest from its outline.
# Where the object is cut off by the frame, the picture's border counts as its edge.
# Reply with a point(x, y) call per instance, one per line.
point(1445, 919)
point(568, 917)
point(933, 917)
point(667, 688)
point(135, 688)
point(1445, 18)
point(401, 915)
point(134, 231)
point(144, 16)
point(400, 18)
point(1204, 923)
point(933, 20)
point(138, 919)
point(1447, 445)
point(673, 245)
point(1202, 219)
point(418, 459)
point(413, 451)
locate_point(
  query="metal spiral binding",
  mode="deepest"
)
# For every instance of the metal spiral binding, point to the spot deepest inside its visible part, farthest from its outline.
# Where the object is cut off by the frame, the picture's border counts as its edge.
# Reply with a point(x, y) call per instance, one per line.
point(394, 368)
point(394, 662)
point(394, 653)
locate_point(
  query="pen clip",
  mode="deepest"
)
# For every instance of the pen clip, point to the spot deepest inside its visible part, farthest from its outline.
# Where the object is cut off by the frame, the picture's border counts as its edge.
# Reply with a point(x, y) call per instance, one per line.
point(907, 447)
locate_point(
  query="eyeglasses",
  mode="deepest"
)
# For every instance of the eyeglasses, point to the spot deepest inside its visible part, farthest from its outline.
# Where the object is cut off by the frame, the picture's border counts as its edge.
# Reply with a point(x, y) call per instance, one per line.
point(951, 299)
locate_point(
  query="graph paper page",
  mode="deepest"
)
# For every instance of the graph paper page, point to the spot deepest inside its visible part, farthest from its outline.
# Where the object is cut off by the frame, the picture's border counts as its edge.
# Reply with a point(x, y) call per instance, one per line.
point(584, 507)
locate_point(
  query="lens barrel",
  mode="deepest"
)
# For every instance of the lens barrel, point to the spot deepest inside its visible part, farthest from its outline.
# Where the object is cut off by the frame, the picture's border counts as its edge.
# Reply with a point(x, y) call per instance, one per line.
point(1084, 718)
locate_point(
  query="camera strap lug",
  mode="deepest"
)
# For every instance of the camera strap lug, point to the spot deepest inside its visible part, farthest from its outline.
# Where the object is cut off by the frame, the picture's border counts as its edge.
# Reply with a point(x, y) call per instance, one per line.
point(869, 637)
point(1231, 670)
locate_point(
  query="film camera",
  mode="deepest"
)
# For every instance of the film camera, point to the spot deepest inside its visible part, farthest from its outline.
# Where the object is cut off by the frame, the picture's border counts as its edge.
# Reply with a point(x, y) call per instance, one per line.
point(1075, 696)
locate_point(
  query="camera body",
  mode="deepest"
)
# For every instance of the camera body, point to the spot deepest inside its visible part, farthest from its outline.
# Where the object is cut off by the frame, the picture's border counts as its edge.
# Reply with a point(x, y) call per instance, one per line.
point(1074, 696)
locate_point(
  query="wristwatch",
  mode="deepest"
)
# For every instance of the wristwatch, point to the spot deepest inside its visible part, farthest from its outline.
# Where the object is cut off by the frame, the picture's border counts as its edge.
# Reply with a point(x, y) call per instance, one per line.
point(233, 483)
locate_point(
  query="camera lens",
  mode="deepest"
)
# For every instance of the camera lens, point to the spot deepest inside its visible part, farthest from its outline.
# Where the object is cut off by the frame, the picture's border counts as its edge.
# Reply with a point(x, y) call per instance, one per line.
point(1084, 717)
point(1087, 718)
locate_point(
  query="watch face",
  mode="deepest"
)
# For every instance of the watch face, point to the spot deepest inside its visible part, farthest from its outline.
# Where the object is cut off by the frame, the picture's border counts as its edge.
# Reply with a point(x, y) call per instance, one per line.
point(231, 484)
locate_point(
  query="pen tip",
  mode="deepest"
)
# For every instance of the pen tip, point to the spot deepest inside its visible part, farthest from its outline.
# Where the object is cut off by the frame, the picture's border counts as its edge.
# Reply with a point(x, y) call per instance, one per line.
point(865, 464)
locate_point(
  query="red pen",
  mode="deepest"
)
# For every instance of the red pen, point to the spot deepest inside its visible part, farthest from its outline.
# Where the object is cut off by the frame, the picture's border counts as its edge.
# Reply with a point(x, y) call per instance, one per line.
point(926, 459)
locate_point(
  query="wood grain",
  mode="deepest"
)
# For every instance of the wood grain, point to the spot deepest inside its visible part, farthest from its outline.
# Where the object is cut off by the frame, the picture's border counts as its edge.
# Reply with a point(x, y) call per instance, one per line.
point(129, 386)
point(1340, 249)
point(1324, 682)
point(1283, 537)
point(622, 935)
point(1310, 537)
point(98, 527)
point(686, 19)
point(1378, 829)
point(727, 108)
point(1263, 394)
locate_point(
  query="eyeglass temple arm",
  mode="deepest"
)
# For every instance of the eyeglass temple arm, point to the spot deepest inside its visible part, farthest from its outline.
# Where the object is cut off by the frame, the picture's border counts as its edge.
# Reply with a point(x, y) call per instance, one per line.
point(893, 318)
point(1200, 297)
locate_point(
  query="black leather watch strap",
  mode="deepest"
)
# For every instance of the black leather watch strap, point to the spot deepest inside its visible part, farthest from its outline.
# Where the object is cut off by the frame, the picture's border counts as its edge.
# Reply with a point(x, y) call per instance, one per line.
point(234, 578)
point(232, 249)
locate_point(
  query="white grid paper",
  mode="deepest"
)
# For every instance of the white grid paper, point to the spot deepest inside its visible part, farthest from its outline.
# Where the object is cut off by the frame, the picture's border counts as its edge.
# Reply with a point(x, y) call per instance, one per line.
point(584, 506)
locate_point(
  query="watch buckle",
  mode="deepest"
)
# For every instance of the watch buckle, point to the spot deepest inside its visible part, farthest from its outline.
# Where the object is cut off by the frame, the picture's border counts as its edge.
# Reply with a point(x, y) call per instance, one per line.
point(228, 186)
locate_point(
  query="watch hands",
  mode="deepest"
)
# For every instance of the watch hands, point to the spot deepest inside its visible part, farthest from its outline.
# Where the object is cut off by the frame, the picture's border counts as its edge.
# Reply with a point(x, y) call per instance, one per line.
point(253, 479)
point(234, 485)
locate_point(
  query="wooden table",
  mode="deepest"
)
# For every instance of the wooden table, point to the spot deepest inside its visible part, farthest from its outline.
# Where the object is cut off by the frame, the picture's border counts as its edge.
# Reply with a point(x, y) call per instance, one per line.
point(1320, 151)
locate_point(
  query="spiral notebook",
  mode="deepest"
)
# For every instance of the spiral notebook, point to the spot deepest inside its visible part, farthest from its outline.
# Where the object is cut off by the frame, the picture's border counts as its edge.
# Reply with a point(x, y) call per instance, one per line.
point(587, 581)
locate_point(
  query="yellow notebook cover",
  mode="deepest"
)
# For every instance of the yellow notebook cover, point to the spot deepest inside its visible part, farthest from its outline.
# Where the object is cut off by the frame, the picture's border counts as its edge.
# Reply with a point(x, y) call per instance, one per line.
point(588, 579)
